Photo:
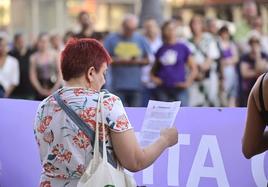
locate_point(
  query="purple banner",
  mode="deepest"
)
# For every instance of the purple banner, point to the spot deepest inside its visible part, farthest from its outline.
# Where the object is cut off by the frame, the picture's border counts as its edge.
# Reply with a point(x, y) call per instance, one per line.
point(208, 153)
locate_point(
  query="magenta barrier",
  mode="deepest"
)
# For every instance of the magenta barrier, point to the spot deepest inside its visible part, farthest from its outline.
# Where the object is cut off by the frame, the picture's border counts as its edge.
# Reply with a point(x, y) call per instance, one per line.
point(208, 153)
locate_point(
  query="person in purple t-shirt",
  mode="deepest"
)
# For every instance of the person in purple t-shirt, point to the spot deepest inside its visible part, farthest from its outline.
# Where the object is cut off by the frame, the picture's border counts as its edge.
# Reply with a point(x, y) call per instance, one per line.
point(252, 65)
point(170, 72)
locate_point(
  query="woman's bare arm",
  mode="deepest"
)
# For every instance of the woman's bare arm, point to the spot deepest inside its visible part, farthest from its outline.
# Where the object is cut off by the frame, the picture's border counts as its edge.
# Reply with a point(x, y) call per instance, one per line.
point(59, 77)
point(246, 72)
point(255, 139)
point(132, 156)
point(33, 76)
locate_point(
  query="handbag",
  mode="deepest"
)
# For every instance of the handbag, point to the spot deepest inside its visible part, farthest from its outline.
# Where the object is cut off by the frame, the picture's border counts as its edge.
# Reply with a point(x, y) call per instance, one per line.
point(102, 170)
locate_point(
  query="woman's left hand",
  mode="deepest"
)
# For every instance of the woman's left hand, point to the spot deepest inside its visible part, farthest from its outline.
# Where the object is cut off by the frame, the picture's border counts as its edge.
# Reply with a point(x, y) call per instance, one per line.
point(183, 85)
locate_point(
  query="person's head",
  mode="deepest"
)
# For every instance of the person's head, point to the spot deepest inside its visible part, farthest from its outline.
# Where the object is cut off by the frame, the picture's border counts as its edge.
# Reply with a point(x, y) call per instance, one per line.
point(55, 41)
point(177, 20)
point(100, 36)
point(168, 30)
point(18, 41)
point(68, 35)
point(85, 60)
point(249, 9)
point(3, 47)
point(254, 42)
point(257, 24)
point(42, 42)
point(211, 25)
point(129, 25)
point(224, 33)
point(151, 28)
point(196, 25)
point(84, 20)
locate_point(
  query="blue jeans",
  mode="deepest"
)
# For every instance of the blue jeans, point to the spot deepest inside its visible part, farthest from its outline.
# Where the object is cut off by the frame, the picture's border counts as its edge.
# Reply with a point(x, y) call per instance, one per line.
point(130, 98)
point(147, 94)
point(2, 92)
point(173, 94)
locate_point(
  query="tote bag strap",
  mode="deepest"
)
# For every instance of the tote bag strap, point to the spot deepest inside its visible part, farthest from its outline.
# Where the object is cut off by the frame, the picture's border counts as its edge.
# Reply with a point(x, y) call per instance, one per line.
point(103, 130)
point(84, 127)
point(100, 107)
point(97, 139)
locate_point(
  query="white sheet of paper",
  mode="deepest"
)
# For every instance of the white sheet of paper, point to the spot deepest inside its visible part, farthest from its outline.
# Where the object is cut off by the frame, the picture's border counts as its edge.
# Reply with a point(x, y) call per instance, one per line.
point(159, 115)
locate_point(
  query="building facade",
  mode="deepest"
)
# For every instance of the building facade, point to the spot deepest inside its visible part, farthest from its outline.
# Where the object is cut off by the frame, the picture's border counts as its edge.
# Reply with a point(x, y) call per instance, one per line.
point(34, 16)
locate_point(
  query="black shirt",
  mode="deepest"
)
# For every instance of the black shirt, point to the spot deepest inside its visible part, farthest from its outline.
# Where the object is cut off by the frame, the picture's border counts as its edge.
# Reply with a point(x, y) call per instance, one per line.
point(24, 90)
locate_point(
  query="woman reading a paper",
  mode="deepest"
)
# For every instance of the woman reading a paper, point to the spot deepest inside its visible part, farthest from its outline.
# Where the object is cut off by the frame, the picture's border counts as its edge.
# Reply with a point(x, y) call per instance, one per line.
point(65, 149)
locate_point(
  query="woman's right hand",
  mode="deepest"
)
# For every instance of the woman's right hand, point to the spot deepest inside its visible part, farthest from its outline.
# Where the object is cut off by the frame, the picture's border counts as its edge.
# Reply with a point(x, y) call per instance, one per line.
point(135, 158)
point(157, 80)
point(44, 92)
point(170, 136)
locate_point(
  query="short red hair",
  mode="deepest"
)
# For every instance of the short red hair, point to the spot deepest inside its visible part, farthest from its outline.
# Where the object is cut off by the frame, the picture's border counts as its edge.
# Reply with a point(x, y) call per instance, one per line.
point(81, 54)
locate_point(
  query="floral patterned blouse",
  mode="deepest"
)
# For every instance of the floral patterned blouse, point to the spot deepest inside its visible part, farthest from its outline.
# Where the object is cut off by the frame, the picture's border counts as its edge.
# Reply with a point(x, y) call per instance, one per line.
point(66, 151)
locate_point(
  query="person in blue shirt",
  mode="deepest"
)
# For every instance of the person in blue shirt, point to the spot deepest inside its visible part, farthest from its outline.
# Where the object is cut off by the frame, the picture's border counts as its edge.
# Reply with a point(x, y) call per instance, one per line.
point(130, 51)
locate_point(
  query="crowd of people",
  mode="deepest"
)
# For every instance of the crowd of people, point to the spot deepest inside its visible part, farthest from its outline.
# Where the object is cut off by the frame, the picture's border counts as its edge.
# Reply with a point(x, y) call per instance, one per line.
point(200, 64)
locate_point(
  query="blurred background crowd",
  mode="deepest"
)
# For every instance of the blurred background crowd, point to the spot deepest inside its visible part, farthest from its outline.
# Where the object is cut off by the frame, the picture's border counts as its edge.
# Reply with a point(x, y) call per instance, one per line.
point(202, 54)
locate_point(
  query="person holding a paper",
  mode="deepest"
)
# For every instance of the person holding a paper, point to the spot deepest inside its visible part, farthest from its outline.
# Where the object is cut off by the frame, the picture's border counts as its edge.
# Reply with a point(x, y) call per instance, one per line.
point(65, 149)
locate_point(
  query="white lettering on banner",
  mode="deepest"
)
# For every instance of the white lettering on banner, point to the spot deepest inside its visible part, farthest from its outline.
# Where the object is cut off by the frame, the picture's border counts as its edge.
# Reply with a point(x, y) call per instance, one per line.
point(174, 161)
point(207, 144)
point(258, 170)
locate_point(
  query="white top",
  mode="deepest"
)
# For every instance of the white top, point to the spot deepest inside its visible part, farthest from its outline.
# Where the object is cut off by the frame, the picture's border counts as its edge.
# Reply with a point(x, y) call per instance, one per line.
point(154, 46)
point(207, 48)
point(9, 73)
point(65, 150)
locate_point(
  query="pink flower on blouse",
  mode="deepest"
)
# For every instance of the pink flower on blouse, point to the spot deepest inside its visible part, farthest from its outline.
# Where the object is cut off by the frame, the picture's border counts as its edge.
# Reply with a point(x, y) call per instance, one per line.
point(55, 151)
point(48, 137)
point(60, 157)
point(88, 115)
point(48, 167)
point(68, 156)
point(81, 140)
point(45, 184)
point(80, 169)
point(57, 109)
point(44, 124)
point(108, 103)
point(78, 91)
point(122, 122)
point(101, 133)
point(61, 176)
